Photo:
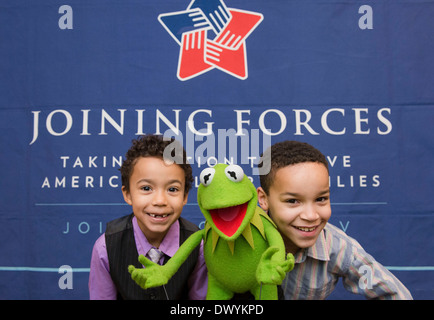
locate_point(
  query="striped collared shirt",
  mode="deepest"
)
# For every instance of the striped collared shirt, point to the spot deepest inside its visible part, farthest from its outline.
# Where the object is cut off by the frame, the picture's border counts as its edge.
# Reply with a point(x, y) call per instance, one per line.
point(336, 255)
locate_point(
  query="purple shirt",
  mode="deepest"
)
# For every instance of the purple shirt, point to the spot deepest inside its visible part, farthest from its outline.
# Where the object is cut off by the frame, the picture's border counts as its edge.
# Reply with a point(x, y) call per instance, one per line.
point(101, 286)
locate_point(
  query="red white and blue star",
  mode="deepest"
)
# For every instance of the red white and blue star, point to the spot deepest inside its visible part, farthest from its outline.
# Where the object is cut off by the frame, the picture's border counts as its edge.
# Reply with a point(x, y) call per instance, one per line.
point(210, 35)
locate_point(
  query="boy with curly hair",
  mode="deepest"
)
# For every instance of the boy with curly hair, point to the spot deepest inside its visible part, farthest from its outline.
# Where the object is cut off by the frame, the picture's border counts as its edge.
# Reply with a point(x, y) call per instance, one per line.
point(157, 189)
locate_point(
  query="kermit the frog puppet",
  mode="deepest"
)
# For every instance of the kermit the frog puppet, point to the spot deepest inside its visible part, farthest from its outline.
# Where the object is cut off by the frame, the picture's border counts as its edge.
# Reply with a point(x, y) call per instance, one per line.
point(243, 250)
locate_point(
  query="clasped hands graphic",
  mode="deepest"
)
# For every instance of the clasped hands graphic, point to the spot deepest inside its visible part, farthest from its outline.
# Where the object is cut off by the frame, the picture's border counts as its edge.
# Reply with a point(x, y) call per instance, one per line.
point(211, 36)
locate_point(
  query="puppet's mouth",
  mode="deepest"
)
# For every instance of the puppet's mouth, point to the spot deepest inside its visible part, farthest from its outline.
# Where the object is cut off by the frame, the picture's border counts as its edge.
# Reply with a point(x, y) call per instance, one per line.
point(229, 219)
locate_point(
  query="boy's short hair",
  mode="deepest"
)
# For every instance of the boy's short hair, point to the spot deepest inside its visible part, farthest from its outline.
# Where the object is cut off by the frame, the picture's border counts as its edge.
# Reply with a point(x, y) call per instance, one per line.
point(286, 153)
point(152, 146)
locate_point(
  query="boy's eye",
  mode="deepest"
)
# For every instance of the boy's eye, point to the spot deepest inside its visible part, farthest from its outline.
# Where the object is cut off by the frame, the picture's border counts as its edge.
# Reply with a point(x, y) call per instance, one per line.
point(322, 199)
point(145, 188)
point(173, 189)
point(292, 201)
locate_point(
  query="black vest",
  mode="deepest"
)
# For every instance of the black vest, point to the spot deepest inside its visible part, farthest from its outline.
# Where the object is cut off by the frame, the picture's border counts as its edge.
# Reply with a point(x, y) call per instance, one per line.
point(122, 252)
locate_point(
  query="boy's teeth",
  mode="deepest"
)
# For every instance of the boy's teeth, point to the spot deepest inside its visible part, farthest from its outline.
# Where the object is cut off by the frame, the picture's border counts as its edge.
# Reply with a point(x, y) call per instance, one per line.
point(306, 229)
point(160, 216)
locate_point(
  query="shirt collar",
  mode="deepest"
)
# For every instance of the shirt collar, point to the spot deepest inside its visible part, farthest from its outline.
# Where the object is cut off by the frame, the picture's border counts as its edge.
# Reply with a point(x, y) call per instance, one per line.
point(168, 246)
point(319, 251)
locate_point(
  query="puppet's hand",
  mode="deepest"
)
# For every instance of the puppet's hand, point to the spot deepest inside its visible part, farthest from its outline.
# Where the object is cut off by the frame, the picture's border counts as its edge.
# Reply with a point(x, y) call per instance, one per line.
point(271, 271)
point(151, 276)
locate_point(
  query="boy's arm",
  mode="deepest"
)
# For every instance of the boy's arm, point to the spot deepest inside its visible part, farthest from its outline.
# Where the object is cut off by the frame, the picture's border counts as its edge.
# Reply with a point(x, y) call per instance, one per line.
point(198, 281)
point(101, 286)
point(368, 277)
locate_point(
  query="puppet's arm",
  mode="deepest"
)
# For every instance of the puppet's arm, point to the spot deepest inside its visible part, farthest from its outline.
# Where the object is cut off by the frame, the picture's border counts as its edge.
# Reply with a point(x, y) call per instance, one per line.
point(273, 266)
point(154, 275)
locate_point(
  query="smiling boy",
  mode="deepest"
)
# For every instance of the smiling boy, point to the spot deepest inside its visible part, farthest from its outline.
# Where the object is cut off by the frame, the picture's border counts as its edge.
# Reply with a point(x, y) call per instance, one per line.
point(156, 195)
point(157, 191)
point(296, 195)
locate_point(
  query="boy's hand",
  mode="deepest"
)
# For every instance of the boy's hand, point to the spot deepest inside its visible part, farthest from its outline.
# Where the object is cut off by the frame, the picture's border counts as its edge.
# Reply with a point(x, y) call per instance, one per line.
point(149, 277)
point(273, 272)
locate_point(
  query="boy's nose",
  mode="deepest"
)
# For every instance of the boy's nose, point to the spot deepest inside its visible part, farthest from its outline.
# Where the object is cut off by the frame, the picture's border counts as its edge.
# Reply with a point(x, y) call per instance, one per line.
point(309, 213)
point(159, 199)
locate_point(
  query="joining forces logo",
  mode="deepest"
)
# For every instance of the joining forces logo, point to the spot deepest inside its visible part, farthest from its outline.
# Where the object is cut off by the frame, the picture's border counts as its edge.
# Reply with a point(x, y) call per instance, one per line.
point(210, 35)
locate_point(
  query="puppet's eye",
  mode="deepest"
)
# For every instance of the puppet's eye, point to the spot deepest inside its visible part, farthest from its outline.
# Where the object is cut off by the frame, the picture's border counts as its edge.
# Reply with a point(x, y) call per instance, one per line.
point(234, 173)
point(206, 176)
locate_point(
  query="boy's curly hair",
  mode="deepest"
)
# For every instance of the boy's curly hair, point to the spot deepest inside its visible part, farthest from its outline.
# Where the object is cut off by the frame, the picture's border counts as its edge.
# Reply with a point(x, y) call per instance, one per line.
point(286, 153)
point(153, 146)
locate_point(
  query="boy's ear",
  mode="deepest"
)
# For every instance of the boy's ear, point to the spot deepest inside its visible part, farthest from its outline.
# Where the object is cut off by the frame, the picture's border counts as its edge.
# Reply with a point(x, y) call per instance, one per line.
point(127, 196)
point(262, 199)
point(185, 198)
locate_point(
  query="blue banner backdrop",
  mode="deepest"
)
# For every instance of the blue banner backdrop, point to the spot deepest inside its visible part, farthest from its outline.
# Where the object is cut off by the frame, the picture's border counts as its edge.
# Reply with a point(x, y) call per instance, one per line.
point(81, 79)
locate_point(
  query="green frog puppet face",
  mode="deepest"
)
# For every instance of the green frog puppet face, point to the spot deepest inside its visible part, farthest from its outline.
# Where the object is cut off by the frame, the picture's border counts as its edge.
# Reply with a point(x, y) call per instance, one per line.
point(227, 199)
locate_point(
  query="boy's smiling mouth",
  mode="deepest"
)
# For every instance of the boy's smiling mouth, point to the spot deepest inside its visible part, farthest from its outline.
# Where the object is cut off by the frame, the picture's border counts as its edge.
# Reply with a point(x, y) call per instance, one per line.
point(306, 229)
point(157, 216)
